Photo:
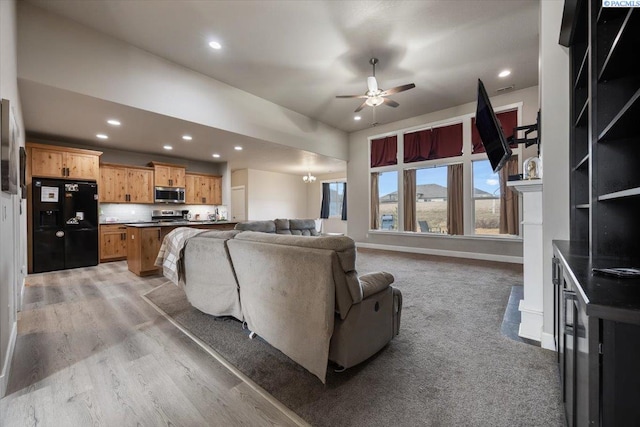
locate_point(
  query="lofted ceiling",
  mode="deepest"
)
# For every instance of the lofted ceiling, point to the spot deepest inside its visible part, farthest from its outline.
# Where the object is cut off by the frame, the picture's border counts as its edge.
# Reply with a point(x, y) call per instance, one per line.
point(301, 54)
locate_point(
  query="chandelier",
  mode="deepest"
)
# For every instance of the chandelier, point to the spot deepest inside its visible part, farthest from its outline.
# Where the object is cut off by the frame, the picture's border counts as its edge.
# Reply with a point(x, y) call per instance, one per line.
point(308, 178)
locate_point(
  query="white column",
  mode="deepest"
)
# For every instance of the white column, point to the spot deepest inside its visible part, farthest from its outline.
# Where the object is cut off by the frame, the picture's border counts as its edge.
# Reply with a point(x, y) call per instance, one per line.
point(532, 304)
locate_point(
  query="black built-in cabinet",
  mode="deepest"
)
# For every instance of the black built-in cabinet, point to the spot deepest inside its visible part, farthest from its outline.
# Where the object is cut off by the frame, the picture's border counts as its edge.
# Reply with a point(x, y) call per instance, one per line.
point(597, 318)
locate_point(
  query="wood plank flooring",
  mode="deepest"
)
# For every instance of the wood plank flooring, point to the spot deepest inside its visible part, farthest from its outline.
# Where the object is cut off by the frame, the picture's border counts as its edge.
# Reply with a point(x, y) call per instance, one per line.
point(91, 351)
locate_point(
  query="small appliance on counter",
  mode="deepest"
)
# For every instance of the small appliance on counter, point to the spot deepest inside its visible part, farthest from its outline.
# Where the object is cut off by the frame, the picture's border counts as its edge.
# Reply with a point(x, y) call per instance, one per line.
point(167, 215)
point(65, 224)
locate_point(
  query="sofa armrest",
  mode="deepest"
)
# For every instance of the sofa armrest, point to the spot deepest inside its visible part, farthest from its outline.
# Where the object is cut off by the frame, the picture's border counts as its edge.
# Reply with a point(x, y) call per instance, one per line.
point(373, 283)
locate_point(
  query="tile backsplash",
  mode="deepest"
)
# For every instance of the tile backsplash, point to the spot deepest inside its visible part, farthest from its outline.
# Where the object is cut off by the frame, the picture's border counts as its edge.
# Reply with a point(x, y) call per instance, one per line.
point(118, 212)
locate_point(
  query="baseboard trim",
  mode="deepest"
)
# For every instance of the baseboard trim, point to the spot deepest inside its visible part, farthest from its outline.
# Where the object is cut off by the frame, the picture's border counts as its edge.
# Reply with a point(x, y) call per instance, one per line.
point(6, 366)
point(441, 252)
point(295, 418)
point(548, 341)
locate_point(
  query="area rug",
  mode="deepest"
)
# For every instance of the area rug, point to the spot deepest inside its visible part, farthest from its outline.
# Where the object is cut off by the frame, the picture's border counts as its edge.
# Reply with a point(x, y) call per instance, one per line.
point(450, 365)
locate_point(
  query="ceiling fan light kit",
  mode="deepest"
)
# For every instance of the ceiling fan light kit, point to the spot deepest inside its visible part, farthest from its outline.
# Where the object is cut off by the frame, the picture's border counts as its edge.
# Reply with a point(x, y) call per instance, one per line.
point(375, 95)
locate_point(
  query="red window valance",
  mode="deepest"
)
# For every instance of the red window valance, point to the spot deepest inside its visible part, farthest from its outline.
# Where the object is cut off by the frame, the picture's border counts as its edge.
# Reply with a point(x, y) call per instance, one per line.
point(384, 151)
point(437, 143)
point(508, 120)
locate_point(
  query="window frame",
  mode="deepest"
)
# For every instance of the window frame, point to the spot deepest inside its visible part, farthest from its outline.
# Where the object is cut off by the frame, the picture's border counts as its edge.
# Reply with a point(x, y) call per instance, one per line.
point(466, 159)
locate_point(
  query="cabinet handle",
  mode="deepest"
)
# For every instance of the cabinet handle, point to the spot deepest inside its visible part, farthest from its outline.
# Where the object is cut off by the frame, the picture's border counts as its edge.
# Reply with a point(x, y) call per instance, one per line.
point(568, 295)
point(555, 266)
point(68, 174)
point(64, 172)
point(158, 234)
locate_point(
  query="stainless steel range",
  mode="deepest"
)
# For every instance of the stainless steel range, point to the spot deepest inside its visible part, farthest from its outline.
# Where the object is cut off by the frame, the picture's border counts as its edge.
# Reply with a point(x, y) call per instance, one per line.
point(168, 215)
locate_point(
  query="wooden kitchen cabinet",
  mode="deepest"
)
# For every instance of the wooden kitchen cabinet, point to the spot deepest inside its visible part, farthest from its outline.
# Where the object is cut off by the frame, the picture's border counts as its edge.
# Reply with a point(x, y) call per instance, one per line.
point(143, 245)
point(203, 189)
point(113, 242)
point(125, 184)
point(168, 175)
point(50, 161)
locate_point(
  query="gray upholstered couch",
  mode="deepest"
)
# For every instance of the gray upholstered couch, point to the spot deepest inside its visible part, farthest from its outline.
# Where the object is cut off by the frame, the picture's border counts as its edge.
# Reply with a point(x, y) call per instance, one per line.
point(300, 294)
point(299, 227)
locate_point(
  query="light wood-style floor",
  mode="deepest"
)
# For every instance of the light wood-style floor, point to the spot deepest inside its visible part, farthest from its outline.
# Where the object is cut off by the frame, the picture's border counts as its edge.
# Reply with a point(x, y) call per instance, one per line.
point(91, 351)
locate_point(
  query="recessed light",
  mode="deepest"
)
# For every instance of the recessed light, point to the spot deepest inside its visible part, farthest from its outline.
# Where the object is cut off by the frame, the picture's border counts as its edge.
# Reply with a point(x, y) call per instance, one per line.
point(215, 45)
point(216, 155)
point(238, 148)
point(113, 122)
point(102, 136)
point(167, 147)
point(504, 73)
point(356, 118)
point(187, 137)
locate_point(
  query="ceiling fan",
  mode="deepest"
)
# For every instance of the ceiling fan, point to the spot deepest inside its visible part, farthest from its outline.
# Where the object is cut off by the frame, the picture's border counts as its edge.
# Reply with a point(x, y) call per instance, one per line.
point(375, 96)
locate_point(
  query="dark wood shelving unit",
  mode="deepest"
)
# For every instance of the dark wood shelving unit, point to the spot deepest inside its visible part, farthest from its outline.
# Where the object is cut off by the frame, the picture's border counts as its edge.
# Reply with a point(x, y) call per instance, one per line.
point(599, 381)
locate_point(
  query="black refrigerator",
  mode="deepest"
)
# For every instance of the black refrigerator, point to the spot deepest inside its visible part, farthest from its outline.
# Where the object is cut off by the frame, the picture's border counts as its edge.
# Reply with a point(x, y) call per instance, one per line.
point(65, 224)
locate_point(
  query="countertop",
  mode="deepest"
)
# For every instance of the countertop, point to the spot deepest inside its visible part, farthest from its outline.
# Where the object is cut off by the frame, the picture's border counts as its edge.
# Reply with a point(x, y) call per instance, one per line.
point(606, 297)
point(142, 224)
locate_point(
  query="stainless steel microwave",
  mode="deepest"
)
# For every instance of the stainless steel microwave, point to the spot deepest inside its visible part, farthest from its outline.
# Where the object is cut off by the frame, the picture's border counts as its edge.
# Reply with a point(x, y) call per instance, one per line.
point(169, 195)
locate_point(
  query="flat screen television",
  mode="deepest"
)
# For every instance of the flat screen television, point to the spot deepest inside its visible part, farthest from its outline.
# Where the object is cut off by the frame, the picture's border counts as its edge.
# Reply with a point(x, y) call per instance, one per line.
point(491, 134)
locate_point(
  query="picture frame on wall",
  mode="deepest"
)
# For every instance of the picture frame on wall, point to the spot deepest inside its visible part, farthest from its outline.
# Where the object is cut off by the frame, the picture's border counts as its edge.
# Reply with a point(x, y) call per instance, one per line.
point(8, 149)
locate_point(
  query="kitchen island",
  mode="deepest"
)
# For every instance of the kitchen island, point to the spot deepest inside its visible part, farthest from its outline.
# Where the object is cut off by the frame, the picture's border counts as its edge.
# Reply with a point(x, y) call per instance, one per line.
point(145, 238)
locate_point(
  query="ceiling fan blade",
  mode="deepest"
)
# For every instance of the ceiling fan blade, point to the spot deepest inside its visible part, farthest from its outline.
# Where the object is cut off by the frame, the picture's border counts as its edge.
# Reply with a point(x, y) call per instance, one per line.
point(390, 102)
point(397, 89)
point(364, 104)
point(351, 96)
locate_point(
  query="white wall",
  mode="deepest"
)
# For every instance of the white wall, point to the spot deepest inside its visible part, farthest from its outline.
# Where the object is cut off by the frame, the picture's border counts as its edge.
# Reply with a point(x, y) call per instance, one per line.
point(61, 53)
point(273, 195)
point(12, 208)
point(554, 108)
point(358, 175)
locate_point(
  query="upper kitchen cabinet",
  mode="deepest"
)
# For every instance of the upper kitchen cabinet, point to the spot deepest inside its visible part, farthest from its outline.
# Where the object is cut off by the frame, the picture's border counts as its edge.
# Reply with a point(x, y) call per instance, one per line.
point(203, 189)
point(125, 184)
point(168, 175)
point(49, 161)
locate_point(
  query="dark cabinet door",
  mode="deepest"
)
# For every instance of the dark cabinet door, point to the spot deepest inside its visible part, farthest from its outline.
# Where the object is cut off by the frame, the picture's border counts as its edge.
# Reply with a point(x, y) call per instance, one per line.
point(582, 369)
point(568, 354)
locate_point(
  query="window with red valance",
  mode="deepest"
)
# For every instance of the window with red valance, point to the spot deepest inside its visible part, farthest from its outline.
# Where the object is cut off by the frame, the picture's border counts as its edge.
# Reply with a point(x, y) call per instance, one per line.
point(437, 143)
point(384, 151)
point(508, 120)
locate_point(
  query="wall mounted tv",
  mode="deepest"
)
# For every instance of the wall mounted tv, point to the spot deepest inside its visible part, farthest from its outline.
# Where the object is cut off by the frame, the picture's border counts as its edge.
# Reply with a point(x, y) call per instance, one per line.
point(491, 134)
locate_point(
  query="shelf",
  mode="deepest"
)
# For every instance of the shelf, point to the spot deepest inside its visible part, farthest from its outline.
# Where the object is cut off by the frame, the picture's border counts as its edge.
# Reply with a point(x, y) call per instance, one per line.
point(583, 206)
point(625, 46)
point(625, 122)
point(582, 163)
point(632, 192)
point(581, 77)
point(582, 116)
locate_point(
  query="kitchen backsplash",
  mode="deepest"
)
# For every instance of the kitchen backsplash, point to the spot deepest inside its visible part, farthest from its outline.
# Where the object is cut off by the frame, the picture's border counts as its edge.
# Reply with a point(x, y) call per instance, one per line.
point(118, 212)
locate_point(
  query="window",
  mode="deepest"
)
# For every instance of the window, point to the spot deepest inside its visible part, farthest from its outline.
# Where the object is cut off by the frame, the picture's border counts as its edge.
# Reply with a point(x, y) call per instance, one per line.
point(336, 192)
point(388, 200)
point(431, 199)
point(446, 183)
point(486, 198)
point(334, 199)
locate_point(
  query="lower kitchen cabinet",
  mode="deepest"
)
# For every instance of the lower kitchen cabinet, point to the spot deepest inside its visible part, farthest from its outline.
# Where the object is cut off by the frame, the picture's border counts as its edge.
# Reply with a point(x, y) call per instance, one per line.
point(113, 242)
point(143, 245)
point(597, 334)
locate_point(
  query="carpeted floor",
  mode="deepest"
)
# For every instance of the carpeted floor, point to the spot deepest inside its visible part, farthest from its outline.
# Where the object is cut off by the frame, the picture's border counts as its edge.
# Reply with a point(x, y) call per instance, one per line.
point(450, 365)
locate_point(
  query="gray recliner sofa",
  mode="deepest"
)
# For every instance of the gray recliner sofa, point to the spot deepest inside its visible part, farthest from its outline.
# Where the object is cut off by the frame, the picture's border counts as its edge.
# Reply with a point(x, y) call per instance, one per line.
point(209, 278)
point(298, 227)
point(304, 297)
